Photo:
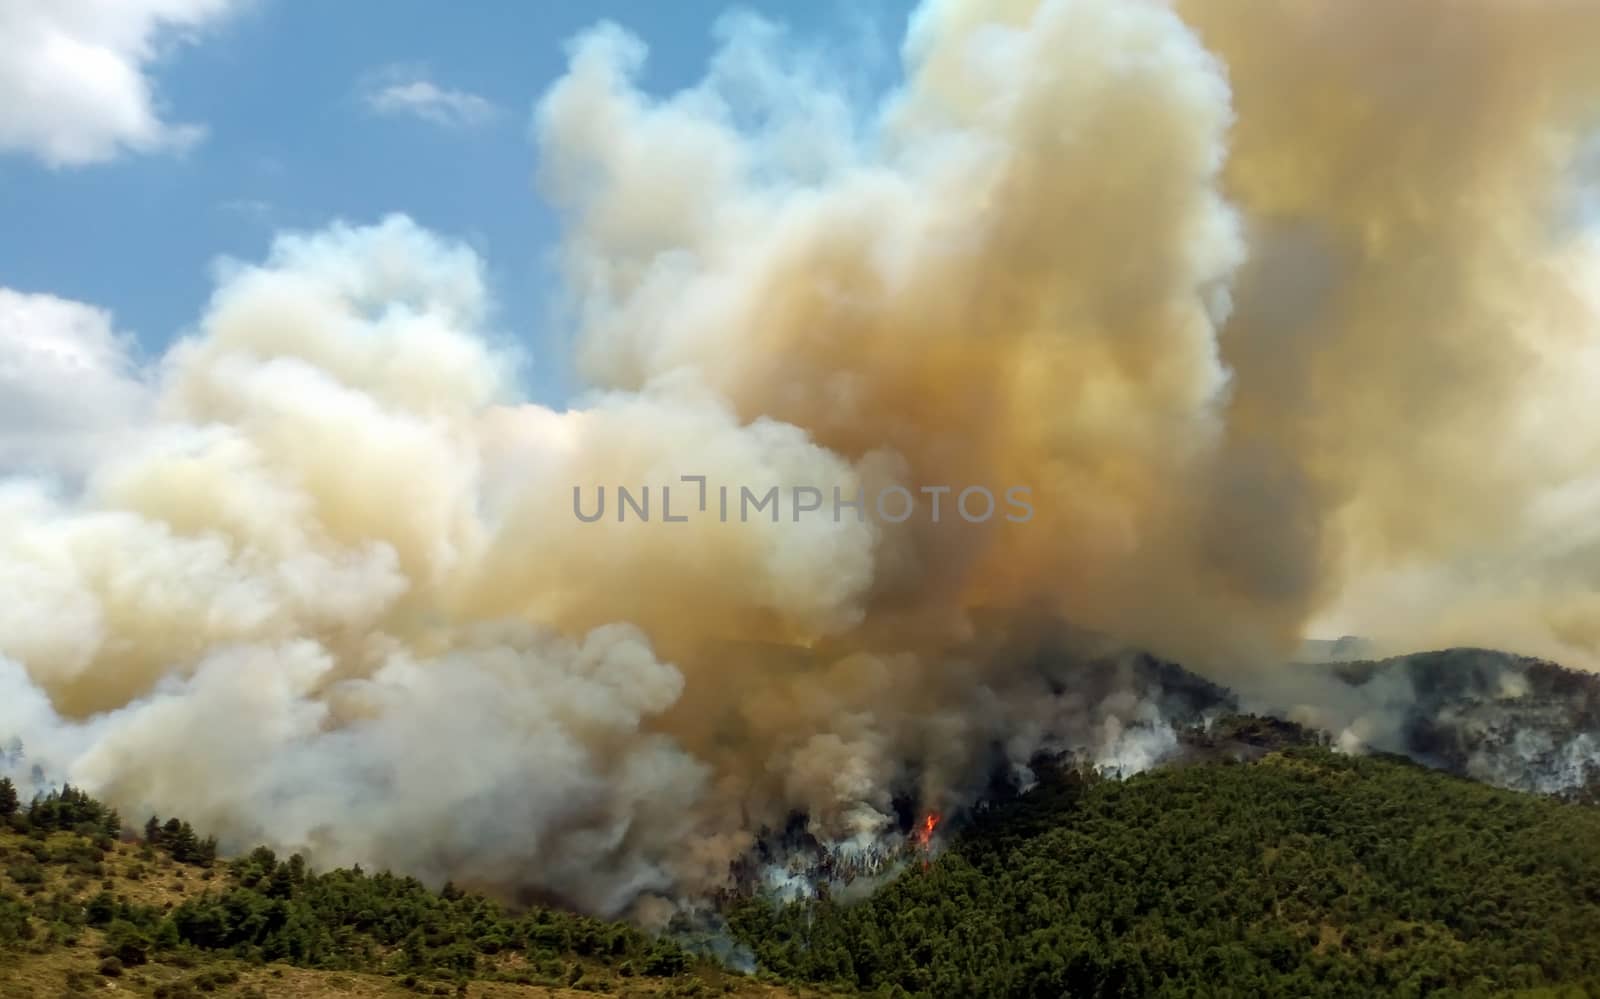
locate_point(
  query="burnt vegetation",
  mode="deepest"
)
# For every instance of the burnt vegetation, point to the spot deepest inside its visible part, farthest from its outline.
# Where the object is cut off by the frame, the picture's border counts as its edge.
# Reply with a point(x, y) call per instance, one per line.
point(1510, 720)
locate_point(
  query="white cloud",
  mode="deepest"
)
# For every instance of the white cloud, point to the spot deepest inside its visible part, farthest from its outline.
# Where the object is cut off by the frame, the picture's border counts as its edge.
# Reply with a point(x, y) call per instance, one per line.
point(420, 97)
point(69, 391)
point(76, 75)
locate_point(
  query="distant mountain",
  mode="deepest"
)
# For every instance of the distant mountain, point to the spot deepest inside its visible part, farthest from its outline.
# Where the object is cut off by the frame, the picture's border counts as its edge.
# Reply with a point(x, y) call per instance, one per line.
point(1349, 647)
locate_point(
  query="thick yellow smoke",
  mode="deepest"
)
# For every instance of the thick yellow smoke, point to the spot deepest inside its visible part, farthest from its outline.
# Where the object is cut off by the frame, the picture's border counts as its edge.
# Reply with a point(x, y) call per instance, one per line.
point(1416, 335)
point(1271, 309)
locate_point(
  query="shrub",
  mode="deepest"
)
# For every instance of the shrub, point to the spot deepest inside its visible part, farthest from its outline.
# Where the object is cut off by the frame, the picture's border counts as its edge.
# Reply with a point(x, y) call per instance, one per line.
point(79, 980)
point(127, 943)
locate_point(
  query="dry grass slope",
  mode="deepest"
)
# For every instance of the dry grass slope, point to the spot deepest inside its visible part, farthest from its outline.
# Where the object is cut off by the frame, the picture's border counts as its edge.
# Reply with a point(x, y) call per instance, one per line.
point(70, 965)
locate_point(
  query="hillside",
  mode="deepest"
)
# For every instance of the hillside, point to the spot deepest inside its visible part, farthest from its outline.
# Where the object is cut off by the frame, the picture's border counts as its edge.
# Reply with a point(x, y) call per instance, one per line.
point(1306, 873)
point(1510, 720)
point(1264, 864)
point(157, 915)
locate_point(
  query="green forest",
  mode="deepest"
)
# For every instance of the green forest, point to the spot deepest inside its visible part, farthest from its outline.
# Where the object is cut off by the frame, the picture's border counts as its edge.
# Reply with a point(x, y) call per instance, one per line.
point(1306, 873)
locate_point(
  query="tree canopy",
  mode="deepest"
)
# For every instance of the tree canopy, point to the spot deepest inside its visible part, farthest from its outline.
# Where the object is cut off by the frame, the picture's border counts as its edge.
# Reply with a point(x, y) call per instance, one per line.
point(1307, 873)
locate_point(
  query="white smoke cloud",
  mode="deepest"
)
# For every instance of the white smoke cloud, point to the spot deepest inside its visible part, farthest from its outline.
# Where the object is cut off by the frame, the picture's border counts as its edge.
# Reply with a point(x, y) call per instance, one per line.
point(301, 580)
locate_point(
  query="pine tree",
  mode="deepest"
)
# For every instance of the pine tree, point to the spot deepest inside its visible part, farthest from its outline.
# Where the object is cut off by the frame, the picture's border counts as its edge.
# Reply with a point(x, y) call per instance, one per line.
point(281, 884)
point(183, 844)
point(152, 831)
point(8, 798)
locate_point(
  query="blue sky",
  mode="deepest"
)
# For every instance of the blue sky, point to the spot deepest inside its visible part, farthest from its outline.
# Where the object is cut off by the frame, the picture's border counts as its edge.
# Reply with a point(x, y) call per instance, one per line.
point(284, 91)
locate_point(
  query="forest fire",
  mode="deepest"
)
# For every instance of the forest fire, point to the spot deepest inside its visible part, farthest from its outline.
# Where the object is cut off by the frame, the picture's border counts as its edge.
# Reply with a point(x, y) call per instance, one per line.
point(924, 832)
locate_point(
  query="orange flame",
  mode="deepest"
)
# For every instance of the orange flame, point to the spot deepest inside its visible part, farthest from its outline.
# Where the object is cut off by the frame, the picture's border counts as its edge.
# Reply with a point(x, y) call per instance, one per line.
point(925, 832)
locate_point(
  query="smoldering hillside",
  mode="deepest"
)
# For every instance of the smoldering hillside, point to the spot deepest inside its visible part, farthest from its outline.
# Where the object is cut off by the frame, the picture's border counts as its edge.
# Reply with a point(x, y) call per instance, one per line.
point(1510, 720)
point(1285, 317)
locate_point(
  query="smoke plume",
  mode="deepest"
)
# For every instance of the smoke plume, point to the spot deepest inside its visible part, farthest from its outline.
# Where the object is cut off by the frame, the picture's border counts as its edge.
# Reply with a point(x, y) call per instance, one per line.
point(1281, 316)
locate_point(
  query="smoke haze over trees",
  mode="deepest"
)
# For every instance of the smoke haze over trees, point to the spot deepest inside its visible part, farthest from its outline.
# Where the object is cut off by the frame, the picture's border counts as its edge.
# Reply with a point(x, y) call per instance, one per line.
point(1280, 315)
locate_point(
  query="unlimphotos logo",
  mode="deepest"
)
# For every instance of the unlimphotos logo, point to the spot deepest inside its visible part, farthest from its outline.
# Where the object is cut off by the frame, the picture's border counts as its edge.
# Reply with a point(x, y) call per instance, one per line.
point(896, 504)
